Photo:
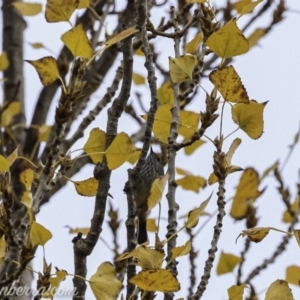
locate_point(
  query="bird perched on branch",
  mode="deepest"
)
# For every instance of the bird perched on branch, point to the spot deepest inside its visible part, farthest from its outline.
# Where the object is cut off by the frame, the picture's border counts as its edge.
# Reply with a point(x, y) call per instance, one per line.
point(152, 169)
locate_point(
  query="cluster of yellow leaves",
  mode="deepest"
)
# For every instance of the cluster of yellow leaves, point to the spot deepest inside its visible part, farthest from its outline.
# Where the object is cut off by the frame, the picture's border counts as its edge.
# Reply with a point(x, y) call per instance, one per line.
point(75, 40)
point(116, 154)
point(152, 277)
point(248, 114)
point(188, 123)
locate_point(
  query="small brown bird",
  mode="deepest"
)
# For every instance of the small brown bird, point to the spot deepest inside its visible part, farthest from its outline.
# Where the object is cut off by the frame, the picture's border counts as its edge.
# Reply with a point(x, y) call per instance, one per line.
point(152, 169)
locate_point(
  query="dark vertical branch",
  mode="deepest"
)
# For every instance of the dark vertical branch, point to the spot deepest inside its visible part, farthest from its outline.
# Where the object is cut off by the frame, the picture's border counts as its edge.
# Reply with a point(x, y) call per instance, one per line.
point(220, 171)
point(84, 247)
point(13, 27)
point(142, 14)
point(173, 206)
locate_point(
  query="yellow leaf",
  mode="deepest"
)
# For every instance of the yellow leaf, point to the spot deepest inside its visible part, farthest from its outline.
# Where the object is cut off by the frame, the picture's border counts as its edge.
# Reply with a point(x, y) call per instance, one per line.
point(87, 187)
point(4, 164)
point(162, 123)
point(157, 190)
point(83, 230)
point(119, 151)
point(138, 79)
point(212, 179)
point(193, 216)
point(60, 10)
point(139, 52)
point(292, 275)
point(156, 280)
point(95, 145)
point(12, 110)
point(12, 157)
point(151, 225)
point(84, 4)
point(28, 9)
point(77, 42)
point(46, 68)
point(196, 1)
point(249, 117)
point(229, 84)
point(239, 5)
point(256, 36)
point(279, 290)
point(256, 234)
point(269, 170)
point(4, 63)
point(228, 41)
point(247, 191)
point(35, 45)
point(2, 247)
point(121, 36)
point(183, 172)
point(246, 6)
point(188, 123)
point(44, 132)
point(55, 283)
point(231, 150)
point(192, 183)
point(27, 199)
point(147, 258)
point(287, 217)
point(104, 284)
point(133, 158)
point(193, 45)
point(26, 177)
point(227, 263)
point(296, 233)
point(181, 68)
point(236, 292)
point(39, 234)
point(181, 250)
point(165, 94)
point(192, 148)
